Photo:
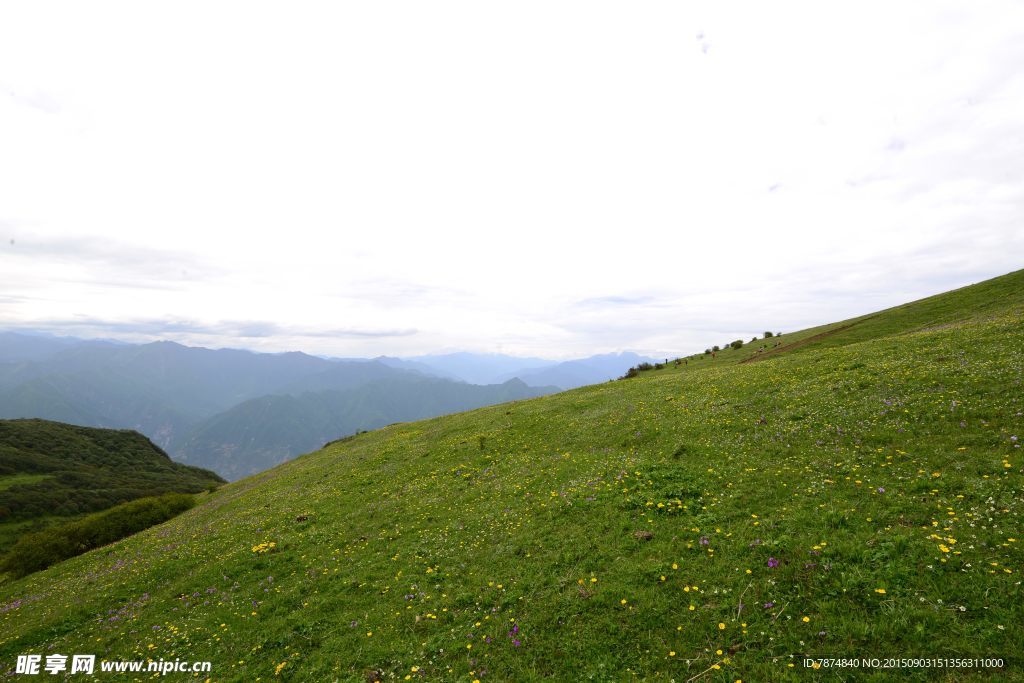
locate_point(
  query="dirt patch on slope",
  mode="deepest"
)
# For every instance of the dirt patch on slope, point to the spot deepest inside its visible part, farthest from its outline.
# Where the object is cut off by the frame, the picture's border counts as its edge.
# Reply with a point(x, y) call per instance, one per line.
point(803, 342)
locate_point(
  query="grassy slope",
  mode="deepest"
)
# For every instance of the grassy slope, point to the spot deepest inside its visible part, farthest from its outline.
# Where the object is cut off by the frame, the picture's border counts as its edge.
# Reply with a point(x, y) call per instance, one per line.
point(856, 467)
point(260, 433)
point(977, 301)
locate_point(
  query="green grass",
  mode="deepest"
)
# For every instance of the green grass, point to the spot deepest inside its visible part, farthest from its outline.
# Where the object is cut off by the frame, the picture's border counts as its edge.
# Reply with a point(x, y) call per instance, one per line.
point(739, 515)
point(21, 479)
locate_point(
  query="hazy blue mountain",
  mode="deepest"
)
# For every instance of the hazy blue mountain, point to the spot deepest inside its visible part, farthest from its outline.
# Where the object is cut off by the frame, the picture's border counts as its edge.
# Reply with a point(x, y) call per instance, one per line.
point(94, 398)
point(343, 375)
point(480, 368)
point(269, 430)
point(163, 389)
point(18, 346)
point(416, 366)
point(183, 375)
point(578, 373)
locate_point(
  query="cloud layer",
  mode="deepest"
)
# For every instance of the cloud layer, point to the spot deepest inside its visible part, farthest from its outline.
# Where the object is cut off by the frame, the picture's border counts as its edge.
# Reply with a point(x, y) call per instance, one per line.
point(554, 179)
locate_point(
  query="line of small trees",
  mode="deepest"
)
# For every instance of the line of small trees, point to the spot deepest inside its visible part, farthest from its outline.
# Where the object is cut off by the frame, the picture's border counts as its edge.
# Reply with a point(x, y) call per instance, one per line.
point(642, 367)
point(735, 345)
point(738, 343)
point(39, 550)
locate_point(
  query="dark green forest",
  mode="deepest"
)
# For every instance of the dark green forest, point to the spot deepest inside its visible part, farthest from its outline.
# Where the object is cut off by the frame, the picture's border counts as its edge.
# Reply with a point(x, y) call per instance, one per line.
point(50, 471)
point(40, 549)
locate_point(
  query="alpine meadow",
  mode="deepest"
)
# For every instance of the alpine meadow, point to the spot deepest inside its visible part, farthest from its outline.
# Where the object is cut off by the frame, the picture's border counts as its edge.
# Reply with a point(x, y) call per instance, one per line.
point(545, 341)
point(847, 491)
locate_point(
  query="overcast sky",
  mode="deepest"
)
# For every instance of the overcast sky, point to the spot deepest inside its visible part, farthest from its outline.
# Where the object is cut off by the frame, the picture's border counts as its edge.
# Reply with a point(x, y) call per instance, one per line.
point(546, 178)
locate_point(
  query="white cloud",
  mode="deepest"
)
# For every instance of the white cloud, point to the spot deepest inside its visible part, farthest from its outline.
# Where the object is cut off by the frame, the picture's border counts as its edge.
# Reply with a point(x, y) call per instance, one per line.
point(473, 172)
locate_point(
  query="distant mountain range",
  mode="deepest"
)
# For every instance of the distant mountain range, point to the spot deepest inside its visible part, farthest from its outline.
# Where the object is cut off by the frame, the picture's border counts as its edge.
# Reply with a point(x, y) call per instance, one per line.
point(238, 412)
point(479, 368)
point(577, 373)
point(493, 368)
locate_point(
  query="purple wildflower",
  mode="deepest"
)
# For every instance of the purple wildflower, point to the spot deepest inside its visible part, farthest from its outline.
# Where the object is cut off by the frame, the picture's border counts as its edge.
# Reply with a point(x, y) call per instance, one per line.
point(513, 633)
point(772, 562)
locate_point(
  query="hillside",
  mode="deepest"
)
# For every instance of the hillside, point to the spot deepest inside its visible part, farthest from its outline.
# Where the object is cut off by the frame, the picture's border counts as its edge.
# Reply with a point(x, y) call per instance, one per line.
point(976, 302)
point(51, 471)
point(857, 494)
point(258, 434)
